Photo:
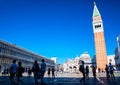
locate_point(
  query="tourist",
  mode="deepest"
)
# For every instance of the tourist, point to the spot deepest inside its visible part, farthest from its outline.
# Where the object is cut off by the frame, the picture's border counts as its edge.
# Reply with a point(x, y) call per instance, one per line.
point(43, 69)
point(87, 71)
point(111, 69)
point(107, 72)
point(36, 70)
point(20, 71)
point(53, 72)
point(13, 70)
point(94, 71)
point(81, 69)
point(48, 72)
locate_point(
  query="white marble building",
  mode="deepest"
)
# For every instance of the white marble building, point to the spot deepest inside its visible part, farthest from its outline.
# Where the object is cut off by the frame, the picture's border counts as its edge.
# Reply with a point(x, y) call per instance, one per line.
point(72, 65)
point(111, 59)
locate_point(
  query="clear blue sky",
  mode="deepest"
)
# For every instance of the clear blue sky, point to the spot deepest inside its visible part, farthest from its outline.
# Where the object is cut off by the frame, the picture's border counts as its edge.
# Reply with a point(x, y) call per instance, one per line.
point(61, 28)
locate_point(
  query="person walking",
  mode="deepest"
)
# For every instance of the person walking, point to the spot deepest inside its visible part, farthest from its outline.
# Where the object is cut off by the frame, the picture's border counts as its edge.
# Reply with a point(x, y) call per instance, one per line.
point(53, 73)
point(82, 70)
point(87, 71)
point(94, 71)
point(43, 69)
point(20, 71)
point(13, 70)
point(111, 69)
point(107, 72)
point(48, 72)
point(36, 70)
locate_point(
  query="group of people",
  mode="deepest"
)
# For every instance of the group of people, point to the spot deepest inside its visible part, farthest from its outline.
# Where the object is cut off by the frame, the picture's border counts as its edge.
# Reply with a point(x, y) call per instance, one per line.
point(85, 72)
point(51, 71)
point(39, 71)
point(18, 70)
point(110, 71)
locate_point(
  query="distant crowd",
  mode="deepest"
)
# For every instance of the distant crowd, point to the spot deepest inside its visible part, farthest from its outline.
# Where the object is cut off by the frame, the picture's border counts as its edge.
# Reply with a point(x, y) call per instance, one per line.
point(109, 70)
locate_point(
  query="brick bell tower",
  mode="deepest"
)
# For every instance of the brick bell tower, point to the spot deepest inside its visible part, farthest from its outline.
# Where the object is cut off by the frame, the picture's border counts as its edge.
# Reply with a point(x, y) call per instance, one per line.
point(101, 57)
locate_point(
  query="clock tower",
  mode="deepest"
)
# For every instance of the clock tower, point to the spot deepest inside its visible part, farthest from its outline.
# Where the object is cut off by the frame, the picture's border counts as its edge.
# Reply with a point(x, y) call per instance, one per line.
point(100, 47)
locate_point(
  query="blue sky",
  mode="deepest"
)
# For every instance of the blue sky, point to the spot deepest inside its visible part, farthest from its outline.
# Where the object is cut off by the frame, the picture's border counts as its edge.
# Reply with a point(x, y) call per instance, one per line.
point(61, 28)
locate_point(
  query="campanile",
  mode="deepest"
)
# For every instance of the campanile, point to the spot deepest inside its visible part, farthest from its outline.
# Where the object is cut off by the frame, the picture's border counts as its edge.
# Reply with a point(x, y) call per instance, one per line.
point(100, 47)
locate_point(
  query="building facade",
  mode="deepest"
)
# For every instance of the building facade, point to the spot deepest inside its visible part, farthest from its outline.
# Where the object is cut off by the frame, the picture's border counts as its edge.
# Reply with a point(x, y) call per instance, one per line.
point(101, 58)
point(54, 59)
point(117, 54)
point(72, 65)
point(111, 59)
point(9, 51)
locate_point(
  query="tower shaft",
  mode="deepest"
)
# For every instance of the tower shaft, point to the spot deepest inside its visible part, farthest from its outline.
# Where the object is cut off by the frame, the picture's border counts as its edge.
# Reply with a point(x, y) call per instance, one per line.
point(101, 58)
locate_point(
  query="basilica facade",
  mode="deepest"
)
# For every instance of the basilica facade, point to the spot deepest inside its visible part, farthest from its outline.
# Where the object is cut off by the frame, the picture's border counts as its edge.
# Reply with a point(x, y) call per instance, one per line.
point(72, 65)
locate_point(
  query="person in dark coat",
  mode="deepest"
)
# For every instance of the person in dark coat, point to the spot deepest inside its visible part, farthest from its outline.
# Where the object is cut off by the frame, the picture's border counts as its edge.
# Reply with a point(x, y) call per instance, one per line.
point(53, 72)
point(94, 71)
point(82, 70)
point(87, 71)
point(36, 70)
point(19, 75)
point(48, 72)
point(107, 72)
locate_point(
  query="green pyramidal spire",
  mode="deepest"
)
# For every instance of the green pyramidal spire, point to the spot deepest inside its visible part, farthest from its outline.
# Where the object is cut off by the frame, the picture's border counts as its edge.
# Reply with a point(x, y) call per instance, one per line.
point(95, 12)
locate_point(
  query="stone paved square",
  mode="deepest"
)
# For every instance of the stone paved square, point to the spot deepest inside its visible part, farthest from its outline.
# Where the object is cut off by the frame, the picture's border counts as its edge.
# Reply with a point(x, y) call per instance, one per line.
point(66, 79)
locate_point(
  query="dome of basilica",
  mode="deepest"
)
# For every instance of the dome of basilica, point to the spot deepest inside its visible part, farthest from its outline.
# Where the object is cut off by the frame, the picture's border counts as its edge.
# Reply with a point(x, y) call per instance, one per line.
point(85, 57)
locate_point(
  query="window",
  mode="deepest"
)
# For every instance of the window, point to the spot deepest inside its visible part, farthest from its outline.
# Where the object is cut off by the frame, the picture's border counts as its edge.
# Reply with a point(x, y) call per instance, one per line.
point(97, 26)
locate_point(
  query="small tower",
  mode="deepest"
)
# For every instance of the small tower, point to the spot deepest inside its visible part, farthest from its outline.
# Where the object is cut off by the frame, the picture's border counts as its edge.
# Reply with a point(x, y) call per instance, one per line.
point(101, 58)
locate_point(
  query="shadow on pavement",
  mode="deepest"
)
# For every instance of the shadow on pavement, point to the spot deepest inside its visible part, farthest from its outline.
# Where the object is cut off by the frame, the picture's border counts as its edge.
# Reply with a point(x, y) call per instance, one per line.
point(4, 80)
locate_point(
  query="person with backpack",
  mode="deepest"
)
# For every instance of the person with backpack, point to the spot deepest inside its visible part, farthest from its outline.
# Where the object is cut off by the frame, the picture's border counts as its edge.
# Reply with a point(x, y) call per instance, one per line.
point(111, 69)
point(20, 71)
point(82, 70)
point(36, 70)
point(13, 70)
